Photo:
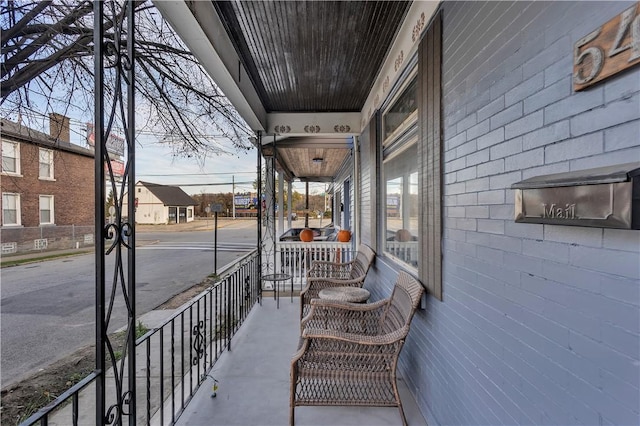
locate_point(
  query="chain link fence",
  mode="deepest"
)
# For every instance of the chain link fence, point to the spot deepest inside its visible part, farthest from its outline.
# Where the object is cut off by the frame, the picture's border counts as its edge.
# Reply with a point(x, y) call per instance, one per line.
point(38, 239)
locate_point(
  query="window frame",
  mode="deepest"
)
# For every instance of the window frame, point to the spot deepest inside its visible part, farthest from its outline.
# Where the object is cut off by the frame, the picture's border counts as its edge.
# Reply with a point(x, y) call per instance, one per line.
point(403, 138)
point(17, 159)
point(18, 221)
point(51, 171)
point(52, 220)
point(411, 119)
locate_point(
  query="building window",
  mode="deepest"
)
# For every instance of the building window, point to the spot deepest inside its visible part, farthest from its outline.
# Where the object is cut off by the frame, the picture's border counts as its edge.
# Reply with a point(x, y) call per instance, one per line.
point(46, 210)
point(189, 213)
point(11, 157)
point(401, 184)
point(46, 164)
point(10, 209)
point(402, 113)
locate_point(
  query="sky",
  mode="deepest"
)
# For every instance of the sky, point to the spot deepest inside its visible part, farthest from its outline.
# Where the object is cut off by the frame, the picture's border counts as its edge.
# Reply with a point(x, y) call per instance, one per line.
point(156, 163)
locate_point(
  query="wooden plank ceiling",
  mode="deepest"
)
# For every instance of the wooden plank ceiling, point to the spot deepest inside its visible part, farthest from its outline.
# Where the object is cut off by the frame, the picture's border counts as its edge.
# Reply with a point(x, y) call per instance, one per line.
point(312, 56)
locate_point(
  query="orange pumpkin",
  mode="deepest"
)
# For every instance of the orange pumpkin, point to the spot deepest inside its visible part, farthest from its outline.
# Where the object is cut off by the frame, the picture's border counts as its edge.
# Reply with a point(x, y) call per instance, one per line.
point(306, 235)
point(344, 235)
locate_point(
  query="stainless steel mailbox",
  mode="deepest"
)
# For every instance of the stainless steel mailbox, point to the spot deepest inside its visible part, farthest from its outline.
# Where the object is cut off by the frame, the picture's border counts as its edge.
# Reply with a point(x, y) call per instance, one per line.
point(605, 197)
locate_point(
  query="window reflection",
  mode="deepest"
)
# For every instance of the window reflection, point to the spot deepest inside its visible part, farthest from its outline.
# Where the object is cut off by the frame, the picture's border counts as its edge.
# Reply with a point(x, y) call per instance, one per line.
point(402, 208)
point(401, 110)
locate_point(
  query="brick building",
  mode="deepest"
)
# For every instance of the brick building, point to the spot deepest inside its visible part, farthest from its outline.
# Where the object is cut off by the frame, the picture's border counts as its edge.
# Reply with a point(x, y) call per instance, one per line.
point(47, 188)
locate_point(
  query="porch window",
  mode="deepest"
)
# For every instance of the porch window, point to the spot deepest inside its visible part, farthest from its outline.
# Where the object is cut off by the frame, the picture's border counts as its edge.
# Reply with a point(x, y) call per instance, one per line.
point(401, 212)
point(46, 210)
point(46, 164)
point(401, 184)
point(10, 209)
point(11, 158)
point(402, 113)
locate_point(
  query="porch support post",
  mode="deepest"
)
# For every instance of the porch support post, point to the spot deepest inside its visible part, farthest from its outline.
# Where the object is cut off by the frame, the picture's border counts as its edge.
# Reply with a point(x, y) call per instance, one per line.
point(280, 228)
point(268, 237)
point(306, 204)
point(355, 226)
point(114, 56)
point(131, 215)
point(259, 221)
point(99, 199)
point(289, 201)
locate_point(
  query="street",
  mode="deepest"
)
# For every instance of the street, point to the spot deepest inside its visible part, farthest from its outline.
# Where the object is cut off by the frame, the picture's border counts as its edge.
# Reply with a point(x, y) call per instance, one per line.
point(48, 308)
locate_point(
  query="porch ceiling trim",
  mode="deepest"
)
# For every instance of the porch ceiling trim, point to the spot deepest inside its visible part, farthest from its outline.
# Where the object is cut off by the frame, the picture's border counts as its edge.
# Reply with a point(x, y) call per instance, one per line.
point(314, 124)
point(309, 158)
point(403, 48)
point(207, 39)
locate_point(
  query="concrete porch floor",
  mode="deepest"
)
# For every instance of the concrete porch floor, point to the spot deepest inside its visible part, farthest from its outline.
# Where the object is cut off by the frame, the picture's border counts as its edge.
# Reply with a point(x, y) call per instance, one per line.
point(253, 380)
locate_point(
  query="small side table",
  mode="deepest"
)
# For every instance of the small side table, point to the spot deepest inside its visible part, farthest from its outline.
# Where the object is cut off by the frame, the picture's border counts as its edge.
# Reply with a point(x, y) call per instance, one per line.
point(345, 294)
point(276, 278)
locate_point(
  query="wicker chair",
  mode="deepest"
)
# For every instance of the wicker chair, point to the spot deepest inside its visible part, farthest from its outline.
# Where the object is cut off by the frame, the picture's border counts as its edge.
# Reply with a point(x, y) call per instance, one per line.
point(324, 274)
point(349, 352)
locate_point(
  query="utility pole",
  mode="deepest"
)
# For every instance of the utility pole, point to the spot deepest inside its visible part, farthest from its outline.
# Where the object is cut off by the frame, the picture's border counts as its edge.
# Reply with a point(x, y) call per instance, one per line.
point(233, 195)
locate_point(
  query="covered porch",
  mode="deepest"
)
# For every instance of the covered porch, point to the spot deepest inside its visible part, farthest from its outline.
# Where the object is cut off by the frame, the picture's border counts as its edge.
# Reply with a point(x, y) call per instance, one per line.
point(423, 115)
point(253, 380)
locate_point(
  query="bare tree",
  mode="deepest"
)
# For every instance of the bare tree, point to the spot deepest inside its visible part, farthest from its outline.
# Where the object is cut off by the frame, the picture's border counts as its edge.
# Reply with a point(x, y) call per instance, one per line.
point(47, 59)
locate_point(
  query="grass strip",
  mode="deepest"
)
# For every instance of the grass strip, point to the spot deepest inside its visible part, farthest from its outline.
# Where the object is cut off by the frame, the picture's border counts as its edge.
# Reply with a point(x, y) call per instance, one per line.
point(37, 258)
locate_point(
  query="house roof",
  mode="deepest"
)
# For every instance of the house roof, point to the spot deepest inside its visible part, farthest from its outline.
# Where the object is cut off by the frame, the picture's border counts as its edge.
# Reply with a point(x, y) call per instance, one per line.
point(21, 133)
point(169, 195)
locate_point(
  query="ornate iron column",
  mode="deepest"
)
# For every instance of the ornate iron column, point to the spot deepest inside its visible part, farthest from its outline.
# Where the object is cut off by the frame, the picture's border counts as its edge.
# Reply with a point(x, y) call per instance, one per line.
point(114, 109)
point(259, 221)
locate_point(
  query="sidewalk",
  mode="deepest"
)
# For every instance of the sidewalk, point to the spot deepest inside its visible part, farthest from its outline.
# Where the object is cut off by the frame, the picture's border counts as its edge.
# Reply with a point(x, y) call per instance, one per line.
point(9, 260)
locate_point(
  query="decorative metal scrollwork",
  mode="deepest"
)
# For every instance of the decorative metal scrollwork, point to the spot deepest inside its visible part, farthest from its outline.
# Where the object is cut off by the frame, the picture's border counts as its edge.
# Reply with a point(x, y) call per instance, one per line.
point(247, 288)
point(115, 109)
point(126, 401)
point(119, 235)
point(112, 413)
point(198, 342)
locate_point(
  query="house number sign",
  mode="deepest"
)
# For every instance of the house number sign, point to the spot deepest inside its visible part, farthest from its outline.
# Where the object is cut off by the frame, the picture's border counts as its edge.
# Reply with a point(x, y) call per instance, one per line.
point(608, 50)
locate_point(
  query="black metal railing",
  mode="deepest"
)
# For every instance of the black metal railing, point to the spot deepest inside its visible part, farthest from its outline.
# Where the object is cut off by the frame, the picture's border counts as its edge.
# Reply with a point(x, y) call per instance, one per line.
point(189, 343)
point(179, 354)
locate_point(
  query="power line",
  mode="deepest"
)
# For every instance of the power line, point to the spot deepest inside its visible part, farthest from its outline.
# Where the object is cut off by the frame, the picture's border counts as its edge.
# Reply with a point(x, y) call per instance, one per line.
point(212, 184)
point(194, 174)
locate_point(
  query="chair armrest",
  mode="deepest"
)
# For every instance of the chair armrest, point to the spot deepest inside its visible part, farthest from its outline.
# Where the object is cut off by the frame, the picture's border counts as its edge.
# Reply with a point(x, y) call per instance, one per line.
point(319, 283)
point(356, 338)
point(344, 316)
point(318, 304)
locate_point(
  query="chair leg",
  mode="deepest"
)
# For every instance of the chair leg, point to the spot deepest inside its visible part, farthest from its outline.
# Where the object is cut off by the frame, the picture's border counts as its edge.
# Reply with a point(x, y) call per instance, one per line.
point(404, 419)
point(292, 395)
point(398, 400)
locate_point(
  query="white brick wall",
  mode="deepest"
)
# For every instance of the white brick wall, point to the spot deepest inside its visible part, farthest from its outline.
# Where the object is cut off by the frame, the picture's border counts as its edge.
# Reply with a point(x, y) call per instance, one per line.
point(540, 324)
